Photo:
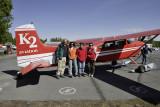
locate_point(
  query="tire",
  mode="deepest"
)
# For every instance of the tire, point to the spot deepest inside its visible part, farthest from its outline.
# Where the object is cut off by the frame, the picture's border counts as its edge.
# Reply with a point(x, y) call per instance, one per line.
point(140, 69)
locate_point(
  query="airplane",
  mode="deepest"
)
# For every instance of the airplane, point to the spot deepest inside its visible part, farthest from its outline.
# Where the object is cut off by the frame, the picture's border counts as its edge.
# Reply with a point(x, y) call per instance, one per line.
point(32, 53)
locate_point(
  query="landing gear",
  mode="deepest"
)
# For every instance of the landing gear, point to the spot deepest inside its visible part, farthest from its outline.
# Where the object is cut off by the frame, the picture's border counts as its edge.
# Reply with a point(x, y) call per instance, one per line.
point(133, 61)
point(140, 69)
point(114, 65)
point(114, 62)
point(18, 75)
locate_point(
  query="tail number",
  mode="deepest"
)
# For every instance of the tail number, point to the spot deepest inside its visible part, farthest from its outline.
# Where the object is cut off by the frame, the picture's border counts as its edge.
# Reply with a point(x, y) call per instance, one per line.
point(24, 40)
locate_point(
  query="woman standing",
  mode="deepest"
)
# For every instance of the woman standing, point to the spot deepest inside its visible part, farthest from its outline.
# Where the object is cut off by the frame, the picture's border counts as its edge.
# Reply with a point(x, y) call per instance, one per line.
point(91, 58)
point(72, 59)
point(81, 56)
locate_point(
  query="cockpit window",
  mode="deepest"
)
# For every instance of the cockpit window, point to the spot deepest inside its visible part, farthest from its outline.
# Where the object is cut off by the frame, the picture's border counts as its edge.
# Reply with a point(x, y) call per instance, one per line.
point(108, 44)
point(114, 44)
point(130, 40)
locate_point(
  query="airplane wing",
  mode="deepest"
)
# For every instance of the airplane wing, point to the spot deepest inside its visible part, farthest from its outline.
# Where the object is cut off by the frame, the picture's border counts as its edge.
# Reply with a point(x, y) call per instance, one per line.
point(134, 35)
point(94, 40)
point(141, 35)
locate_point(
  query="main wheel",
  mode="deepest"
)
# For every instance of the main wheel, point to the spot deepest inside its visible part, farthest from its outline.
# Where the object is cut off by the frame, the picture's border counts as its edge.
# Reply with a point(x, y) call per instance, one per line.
point(140, 69)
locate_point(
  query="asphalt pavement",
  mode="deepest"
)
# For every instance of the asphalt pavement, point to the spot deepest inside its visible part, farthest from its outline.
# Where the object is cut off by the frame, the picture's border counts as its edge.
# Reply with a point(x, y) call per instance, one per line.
point(41, 84)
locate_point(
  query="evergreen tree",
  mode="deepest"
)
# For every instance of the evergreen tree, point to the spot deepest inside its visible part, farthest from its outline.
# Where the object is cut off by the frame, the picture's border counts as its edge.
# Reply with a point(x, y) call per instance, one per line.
point(56, 39)
point(5, 21)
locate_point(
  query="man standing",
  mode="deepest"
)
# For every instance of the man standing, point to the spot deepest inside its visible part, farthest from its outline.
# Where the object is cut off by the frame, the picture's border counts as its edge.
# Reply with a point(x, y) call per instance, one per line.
point(81, 56)
point(144, 53)
point(61, 55)
point(91, 58)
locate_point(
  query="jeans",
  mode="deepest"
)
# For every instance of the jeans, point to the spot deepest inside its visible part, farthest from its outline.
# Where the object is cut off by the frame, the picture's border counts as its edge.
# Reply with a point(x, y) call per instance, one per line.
point(81, 67)
point(91, 67)
point(74, 62)
point(144, 59)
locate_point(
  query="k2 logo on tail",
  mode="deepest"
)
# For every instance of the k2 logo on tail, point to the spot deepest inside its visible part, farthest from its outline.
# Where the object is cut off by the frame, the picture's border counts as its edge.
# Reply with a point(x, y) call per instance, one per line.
point(25, 40)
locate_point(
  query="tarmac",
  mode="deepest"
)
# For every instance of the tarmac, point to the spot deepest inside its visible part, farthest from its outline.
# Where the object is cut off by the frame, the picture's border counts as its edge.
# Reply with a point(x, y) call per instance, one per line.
point(41, 84)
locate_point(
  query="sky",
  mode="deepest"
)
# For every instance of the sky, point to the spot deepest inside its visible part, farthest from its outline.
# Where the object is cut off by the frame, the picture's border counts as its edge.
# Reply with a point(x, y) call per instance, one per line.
point(81, 19)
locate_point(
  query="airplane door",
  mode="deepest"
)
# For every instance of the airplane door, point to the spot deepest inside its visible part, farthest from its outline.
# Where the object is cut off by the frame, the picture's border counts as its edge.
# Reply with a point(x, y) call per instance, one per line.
point(111, 50)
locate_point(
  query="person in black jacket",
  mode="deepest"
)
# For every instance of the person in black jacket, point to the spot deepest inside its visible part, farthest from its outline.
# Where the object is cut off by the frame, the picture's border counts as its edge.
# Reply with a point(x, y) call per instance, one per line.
point(144, 52)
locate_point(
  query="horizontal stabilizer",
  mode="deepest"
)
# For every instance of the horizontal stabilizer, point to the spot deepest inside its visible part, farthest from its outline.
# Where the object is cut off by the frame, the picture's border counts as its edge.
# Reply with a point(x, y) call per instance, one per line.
point(33, 66)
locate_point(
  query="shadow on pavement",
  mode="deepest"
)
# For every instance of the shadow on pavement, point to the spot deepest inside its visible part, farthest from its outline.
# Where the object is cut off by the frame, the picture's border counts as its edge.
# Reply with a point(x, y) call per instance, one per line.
point(32, 78)
point(137, 89)
point(11, 72)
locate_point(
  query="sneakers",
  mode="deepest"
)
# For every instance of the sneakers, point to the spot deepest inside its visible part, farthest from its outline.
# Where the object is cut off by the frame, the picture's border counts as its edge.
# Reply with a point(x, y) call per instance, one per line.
point(76, 75)
point(62, 76)
point(57, 76)
point(83, 74)
point(70, 76)
point(90, 75)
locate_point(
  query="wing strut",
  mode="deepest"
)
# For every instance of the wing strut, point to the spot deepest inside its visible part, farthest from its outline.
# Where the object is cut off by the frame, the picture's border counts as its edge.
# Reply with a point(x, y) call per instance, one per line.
point(142, 38)
point(133, 61)
point(151, 39)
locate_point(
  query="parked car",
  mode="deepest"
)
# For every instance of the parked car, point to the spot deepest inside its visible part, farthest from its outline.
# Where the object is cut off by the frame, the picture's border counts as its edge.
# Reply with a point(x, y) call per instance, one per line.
point(3, 48)
point(13, 47)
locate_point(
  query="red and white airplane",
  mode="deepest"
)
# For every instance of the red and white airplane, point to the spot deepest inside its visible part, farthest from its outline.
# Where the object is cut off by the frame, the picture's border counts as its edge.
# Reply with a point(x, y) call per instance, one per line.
point(32, 53)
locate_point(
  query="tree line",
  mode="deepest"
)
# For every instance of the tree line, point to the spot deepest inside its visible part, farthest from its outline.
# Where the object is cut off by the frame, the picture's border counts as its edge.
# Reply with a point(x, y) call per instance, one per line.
point(5, 21)
point(56, 39)
point(155, 43)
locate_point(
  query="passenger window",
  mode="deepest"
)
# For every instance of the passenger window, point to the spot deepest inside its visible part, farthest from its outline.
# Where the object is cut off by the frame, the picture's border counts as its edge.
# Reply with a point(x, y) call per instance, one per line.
point(109, 44)
point(120, 43)
point(114, 44)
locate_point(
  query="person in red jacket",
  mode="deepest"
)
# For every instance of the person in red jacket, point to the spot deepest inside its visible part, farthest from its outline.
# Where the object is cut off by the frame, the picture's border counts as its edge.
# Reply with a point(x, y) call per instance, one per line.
point(91, 58)
point(81, 56)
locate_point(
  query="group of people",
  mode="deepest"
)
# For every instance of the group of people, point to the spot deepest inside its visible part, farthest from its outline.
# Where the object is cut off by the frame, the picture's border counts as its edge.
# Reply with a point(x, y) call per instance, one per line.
point(78, 57)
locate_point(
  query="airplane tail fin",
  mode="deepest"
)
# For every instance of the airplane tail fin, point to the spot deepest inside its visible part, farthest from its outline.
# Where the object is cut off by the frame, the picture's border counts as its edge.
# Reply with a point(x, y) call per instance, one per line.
point(30, 48)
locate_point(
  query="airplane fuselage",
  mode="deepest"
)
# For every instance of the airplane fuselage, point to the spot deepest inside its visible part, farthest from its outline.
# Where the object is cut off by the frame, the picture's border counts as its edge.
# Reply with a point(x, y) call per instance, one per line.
point(118, 52)
point(32, 53)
